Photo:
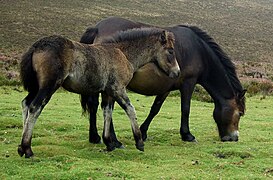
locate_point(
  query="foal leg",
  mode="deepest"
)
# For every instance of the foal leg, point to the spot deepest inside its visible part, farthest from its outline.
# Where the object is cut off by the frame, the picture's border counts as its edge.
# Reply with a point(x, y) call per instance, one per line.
point(123, 100)
point(107, 103)
point(114, 138)
point(92, 105)
point(25, 105)
point(33, 112)
point(153, 112)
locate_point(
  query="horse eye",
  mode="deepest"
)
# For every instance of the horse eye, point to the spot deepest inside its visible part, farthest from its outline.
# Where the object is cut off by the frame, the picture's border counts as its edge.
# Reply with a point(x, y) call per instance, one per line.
point(241, 113)
point(170, 51)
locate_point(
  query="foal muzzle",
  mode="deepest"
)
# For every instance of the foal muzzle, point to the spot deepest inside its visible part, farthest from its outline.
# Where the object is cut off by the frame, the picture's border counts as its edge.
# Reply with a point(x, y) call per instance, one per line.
point(174, 73)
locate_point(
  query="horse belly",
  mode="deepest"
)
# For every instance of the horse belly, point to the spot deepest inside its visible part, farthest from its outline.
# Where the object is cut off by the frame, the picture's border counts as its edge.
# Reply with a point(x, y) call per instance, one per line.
point(149, 80)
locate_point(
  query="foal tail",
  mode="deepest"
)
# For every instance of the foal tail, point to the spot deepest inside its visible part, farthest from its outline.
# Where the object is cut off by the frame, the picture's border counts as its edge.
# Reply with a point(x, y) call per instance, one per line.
point(28, 75)
point(89, 35)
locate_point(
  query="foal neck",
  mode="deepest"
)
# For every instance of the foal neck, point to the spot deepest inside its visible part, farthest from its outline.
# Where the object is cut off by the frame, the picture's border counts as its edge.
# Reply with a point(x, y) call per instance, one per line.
point(138, 52)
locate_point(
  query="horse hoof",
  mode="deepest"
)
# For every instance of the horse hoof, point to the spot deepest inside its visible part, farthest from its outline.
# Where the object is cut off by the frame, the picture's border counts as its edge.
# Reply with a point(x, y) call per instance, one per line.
point(188, 138)
point(110, 146)
point(95, 139)
point(121, 147)
point(140, 146)
point(194, 141)
point(25, 151)
point(118, 145)
point(20, 151)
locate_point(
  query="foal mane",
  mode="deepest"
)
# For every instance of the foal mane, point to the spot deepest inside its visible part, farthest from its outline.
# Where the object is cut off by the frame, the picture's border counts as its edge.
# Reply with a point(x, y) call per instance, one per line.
point(132, 34)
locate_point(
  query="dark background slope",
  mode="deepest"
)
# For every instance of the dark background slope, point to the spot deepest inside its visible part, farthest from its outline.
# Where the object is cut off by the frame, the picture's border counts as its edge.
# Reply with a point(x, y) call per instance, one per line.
point(244, 28)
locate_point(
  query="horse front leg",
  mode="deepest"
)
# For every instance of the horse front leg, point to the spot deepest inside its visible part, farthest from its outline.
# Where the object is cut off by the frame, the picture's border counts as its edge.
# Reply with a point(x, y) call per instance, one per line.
point(158, 102)
point(186, 94)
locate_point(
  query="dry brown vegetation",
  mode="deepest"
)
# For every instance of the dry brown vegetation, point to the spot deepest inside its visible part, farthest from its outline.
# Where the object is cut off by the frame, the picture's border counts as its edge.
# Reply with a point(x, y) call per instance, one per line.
point(244, 28)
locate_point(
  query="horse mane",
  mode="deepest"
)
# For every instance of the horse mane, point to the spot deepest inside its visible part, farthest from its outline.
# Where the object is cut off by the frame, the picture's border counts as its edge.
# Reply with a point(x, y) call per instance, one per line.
point(132, 34)
point(223, 58)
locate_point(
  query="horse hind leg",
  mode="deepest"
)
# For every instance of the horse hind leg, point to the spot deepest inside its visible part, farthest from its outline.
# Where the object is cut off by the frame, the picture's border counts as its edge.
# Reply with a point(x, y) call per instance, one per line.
point(106, 104)
point(32, 112)
point(25, 105)
point(123, 100)
point(109, 136)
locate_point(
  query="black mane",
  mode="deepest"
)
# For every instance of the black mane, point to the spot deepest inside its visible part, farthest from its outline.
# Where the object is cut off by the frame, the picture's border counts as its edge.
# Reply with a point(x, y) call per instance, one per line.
point(132, 34)
point(228, 65)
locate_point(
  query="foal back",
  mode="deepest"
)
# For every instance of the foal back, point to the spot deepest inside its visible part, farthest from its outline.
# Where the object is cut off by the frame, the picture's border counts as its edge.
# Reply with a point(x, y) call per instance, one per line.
point(79, 68)
point(96, 68)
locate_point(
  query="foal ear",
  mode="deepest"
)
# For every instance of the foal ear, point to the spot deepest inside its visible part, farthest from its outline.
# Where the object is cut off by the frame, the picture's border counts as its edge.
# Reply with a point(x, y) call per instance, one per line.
point(163, 37)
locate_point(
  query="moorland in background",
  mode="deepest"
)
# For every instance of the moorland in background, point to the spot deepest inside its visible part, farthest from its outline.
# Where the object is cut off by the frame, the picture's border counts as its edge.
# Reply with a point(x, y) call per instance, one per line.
point(243, 28)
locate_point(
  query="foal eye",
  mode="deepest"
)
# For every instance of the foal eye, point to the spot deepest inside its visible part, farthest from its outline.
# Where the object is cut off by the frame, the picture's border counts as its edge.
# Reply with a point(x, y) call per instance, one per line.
point(241, 113)
point(170, 51)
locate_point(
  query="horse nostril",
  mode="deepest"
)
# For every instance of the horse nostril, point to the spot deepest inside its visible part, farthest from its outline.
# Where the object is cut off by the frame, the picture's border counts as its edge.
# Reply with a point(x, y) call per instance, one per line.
point(178, 73)
point(226, 138)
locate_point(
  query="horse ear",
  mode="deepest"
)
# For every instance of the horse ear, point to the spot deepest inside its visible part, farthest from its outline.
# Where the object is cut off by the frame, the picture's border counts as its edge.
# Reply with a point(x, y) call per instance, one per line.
point(163, 37)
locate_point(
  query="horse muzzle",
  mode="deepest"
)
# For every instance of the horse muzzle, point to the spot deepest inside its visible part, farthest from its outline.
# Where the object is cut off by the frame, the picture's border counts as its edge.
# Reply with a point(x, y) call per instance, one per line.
point(233, 136)
point(174, 73)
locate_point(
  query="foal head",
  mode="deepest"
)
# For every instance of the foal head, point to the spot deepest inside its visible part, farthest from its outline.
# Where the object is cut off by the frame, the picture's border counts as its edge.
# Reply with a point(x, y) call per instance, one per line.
point(165, 55)
point(227, 117)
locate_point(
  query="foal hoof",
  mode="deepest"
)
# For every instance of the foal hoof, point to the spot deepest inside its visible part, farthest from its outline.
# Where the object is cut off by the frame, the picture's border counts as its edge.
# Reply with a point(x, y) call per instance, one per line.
point(140, 146)
point(25, 151)
point(118, 144)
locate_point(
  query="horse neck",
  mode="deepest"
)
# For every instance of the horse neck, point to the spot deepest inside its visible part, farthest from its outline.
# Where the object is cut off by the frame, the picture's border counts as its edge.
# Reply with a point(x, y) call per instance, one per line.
point(138, 52)
point(218, 85)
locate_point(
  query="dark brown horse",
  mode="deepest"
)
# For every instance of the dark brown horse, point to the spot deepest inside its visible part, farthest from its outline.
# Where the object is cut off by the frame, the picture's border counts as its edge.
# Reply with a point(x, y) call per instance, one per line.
point(201, 60)
point(108, 67)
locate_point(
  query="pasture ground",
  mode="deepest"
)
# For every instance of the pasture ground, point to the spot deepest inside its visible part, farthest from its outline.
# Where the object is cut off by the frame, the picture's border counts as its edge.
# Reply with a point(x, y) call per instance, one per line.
point(62, 151)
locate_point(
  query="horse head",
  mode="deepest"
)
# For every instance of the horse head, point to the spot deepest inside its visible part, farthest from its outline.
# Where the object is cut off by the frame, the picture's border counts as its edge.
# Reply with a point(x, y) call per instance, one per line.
point(165, 57)
point(227, 117)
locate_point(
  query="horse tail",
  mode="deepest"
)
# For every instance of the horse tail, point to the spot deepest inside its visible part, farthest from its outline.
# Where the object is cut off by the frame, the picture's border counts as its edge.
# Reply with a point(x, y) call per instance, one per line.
point(27, 74)
point(89, 35)
point(89, 104)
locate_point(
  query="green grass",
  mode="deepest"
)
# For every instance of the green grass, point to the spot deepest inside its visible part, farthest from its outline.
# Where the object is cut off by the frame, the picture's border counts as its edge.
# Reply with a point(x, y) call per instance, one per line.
point(62, 151)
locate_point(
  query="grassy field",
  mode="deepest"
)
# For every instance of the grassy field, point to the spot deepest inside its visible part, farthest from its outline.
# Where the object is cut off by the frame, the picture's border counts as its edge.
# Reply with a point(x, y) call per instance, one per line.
point(62, 150)
point(60, 143)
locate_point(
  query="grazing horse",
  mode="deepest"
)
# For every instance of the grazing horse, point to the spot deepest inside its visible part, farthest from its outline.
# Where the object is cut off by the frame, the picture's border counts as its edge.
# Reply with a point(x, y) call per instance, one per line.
point(203, 62)
point(108, 67)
